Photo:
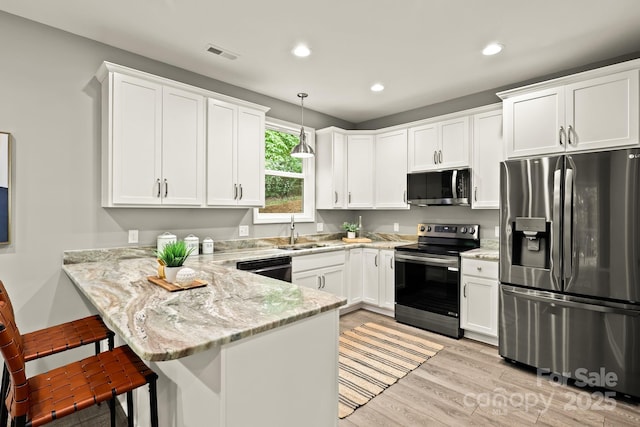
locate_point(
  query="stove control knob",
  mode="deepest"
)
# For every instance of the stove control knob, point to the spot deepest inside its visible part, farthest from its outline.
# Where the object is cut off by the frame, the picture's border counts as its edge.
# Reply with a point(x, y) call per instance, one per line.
point(422, 228)
point(429, 228)
point(464, 230)
point(472, 230)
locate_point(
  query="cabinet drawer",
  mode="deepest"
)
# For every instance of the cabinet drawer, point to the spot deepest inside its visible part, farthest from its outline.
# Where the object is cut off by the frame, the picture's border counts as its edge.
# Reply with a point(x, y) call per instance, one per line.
point(480, 268)
point(313, 261)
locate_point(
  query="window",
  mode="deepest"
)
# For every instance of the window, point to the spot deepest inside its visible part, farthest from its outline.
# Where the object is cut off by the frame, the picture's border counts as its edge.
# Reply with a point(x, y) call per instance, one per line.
point(289, 181)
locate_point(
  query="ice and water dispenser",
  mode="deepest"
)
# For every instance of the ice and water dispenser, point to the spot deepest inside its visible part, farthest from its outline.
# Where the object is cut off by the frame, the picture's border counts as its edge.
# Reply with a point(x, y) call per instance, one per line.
point(531, 242)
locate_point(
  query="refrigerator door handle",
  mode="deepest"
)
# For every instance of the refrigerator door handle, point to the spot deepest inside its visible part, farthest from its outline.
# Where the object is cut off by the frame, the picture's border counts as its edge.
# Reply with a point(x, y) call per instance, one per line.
point(571, 304)
point(568, 224)
point(555, 242)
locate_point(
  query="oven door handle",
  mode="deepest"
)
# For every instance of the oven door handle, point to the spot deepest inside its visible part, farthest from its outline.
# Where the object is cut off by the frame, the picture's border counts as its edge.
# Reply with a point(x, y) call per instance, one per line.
point(271, 268)
point(439, 262)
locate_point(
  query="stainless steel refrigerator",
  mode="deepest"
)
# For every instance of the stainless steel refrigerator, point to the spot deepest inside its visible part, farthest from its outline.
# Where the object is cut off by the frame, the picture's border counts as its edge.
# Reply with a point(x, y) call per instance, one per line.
point(570, 266)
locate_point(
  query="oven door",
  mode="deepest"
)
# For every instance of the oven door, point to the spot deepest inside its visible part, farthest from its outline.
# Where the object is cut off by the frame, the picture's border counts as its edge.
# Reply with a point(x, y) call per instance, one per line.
point(428, 282)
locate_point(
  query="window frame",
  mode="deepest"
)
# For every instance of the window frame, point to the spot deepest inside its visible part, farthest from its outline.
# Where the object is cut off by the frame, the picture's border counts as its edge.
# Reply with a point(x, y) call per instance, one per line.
point(308, 175)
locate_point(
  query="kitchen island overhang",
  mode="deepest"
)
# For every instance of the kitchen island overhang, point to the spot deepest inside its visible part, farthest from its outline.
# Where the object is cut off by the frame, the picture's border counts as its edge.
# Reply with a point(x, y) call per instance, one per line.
point(243, 350)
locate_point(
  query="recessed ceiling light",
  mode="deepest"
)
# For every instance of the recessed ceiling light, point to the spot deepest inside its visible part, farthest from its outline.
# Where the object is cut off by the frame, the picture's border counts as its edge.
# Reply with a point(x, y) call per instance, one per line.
point(301, 51)
point(492, 49)
point(377, 87)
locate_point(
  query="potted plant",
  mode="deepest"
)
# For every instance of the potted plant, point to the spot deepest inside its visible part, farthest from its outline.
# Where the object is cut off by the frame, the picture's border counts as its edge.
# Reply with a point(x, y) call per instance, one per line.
point(172, 257)
point(351, 229)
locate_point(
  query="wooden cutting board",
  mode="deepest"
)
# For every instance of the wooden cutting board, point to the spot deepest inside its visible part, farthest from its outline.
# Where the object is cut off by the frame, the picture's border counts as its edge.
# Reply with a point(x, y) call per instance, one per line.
point(356, 240)
point(172, 287)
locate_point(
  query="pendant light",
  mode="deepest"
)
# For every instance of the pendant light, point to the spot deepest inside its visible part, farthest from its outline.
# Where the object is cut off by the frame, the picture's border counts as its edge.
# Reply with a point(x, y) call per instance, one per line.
point(302, 150)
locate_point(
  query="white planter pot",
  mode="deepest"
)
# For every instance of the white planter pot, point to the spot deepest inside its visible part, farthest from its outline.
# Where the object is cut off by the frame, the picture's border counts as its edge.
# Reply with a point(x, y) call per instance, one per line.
point(171, 273)
point(351, 234)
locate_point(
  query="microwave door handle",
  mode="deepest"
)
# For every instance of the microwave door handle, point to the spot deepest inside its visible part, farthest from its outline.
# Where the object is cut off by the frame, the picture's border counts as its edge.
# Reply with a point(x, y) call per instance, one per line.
point(555, 241)
point(567, 244)
point(454, 182)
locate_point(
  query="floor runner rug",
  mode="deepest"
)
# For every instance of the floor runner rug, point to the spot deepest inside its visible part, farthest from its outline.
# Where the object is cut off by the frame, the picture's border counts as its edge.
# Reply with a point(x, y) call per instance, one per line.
point(372, 357)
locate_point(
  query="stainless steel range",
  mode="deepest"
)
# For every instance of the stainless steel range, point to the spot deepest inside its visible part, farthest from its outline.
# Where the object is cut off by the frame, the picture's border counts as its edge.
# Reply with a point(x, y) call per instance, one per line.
point(427, 289)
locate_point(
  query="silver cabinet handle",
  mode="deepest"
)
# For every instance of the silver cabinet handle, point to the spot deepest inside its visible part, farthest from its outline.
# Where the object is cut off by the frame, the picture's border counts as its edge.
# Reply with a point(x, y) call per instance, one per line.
point(561, 135)
point(349, 196)
point(435, 157)
point(479, 268)
point(464, 290)
point(375, 261)
point(404, 197)
point(235, 191)
point(324, 281)
point(569, 130)
point(319, 282)
point(166, 187)
point(336, 197)
point(240, 198)
point(475, 194)
point(440, 156)
point(391, 263)
point(159, 187)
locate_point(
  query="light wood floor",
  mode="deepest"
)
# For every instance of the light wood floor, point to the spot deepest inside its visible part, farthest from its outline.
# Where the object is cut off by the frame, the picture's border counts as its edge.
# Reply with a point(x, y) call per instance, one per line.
point(462, 385)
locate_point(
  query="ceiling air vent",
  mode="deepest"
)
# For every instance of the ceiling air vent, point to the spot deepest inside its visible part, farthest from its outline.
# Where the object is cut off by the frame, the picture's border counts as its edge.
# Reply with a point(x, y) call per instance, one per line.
point(221, 52)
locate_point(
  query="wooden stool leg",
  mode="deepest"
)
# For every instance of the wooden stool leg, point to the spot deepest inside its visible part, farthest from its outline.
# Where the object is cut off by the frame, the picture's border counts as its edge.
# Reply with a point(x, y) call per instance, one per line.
point(4, 413)
point(153, 398)
point(130, 408)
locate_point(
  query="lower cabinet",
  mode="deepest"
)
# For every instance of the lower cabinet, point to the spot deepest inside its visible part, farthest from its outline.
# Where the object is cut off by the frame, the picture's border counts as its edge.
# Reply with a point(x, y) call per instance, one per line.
point(354, 294)
point(479, 300)
point(376, 278)
point(370, 276)
point(323, 271)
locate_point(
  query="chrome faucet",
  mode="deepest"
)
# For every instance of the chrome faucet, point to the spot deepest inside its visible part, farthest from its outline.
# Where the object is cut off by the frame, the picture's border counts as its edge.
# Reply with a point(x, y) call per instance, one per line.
point(292, 238)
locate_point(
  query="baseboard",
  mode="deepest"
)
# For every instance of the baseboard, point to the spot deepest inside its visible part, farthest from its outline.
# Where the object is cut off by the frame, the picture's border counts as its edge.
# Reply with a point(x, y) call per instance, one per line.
point(364, 306)
point(487, 339)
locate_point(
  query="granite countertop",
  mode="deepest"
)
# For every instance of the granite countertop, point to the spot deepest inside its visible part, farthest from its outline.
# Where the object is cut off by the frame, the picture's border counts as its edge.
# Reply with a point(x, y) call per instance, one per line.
point(161, 325)
point(488, 251)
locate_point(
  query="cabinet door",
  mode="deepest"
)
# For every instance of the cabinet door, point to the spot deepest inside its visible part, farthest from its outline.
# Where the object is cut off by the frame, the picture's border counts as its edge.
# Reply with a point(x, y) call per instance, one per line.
point(339, 176)
point(534, 123)
point(391, 170)
point(454, 143)
point(250, 157)
point(479, 305)
point(137, 141)
point(387, 280)
point(330, 170)
point(355, 276)
point(370, 276)
point(423, 145)
point(333, 280)
point(603, 112)
point(308, 279)
point(488, 152)
point(360, 171)
point(222, 188)
point(182, 147)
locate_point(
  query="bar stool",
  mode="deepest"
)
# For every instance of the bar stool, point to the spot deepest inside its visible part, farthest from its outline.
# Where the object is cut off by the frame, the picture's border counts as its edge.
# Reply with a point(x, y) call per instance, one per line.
point(52, 340)
point(40, 399)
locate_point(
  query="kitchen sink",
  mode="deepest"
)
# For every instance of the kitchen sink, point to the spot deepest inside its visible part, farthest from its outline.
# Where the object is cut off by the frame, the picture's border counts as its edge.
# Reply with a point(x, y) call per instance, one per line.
point(300, 246)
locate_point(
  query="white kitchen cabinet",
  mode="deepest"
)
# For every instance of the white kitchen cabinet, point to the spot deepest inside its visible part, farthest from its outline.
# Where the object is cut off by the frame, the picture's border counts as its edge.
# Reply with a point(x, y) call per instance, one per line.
point(355, 276)
point(488, 152)
point(577, 114)
point(387, 280)
point(153, 143)
point(391, 170)
point(324, 271)
point(479, 300)
point(439, 145)
point(235, 155)
point(331, 167)
point(370, 276)
point(360, 173)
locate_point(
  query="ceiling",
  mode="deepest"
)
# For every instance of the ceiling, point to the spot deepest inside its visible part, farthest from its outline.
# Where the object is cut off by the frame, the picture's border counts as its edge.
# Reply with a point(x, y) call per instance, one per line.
point(423, 51)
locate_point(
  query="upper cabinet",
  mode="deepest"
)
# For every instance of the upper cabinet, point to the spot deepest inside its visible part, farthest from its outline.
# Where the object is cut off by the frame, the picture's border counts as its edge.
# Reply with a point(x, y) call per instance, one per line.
point(235, 155)
point(439, 145)
point(331, 169)
point(391, 170)
point(154, 149)
point(360, 177)
point(153, 143)
point(488, 152)
point(594, 110)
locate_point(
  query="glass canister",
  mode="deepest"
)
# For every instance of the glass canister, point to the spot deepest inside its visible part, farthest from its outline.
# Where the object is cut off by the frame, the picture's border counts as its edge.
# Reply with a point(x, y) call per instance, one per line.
point(207, 246)
point(163, 239)
point(193, 242)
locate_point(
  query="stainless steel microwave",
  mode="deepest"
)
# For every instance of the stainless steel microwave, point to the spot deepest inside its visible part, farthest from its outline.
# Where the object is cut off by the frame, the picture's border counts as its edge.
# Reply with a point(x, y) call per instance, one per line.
point(449, 187)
